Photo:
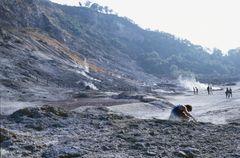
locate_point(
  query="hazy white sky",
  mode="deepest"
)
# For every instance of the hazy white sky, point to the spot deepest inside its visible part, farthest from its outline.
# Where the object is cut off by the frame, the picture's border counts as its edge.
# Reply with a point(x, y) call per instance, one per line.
point(210, 23)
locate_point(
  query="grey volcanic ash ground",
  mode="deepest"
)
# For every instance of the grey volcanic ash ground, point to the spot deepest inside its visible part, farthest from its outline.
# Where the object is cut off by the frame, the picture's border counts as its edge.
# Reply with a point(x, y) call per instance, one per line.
point(52, 132)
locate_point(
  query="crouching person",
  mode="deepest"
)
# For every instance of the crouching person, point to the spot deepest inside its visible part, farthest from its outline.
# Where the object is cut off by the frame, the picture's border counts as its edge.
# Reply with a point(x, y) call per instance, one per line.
point(182, 113)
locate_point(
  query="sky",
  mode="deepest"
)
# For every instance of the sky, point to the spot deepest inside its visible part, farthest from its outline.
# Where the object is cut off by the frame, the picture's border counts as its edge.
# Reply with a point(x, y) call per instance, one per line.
point(210, 23)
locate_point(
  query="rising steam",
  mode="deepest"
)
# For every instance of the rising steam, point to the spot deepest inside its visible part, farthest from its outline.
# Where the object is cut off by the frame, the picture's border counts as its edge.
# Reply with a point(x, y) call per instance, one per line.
point(190, 81)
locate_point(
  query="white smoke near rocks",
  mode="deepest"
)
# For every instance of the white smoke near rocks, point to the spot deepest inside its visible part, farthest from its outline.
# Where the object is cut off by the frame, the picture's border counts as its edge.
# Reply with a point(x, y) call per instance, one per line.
point(90, 85)
point(189, 82)
point(86, 66)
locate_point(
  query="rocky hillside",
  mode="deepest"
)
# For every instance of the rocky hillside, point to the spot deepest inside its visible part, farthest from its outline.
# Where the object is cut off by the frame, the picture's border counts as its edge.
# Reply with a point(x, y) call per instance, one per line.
point(47, 44)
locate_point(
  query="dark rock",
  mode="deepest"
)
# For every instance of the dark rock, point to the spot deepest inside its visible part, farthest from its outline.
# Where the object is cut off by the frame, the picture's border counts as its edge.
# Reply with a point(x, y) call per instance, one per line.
point(88, 87)
point(58, 125)
point(37, 126)
point(133, 125)
point(237, 155)
point(30, 147)
point(69, 155)
point(152, 133)
point(81, 95)
point(147, 144)
point(6, 135)
point(138, 146)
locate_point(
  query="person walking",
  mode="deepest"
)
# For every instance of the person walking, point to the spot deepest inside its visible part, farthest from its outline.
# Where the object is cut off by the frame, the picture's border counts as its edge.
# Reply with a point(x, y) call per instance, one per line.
point(208, 90)
point(230, 92)
point(196, 89)
point(227, 93)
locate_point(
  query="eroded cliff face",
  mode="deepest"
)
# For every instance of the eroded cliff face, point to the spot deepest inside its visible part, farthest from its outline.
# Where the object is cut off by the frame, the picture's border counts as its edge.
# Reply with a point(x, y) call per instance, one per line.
point(53, 48)
point(35, 66)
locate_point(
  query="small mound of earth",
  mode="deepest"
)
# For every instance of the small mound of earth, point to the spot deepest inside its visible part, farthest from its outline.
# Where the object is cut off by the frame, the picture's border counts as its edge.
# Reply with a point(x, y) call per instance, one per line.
point(35, 112)
point(40, 118)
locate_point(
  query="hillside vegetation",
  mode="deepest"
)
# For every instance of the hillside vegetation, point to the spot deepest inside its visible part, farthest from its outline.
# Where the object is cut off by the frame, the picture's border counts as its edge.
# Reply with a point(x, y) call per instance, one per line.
point(113, 46)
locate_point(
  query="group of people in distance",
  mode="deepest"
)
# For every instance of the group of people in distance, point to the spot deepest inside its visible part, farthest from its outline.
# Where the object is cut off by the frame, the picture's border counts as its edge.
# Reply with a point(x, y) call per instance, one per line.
point(228, 92)
point(182, 112)
point(209, 90)
point(195, 90)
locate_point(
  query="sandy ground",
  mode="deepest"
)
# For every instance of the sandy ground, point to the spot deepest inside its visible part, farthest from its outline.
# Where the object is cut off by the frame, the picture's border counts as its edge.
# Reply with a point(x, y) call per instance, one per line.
point(213, 108)
point(142, 110)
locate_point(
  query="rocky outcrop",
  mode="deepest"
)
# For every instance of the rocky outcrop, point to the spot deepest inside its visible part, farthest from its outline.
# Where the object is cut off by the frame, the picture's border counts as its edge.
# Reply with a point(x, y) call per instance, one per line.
point(39, 118)
point(44, 111)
